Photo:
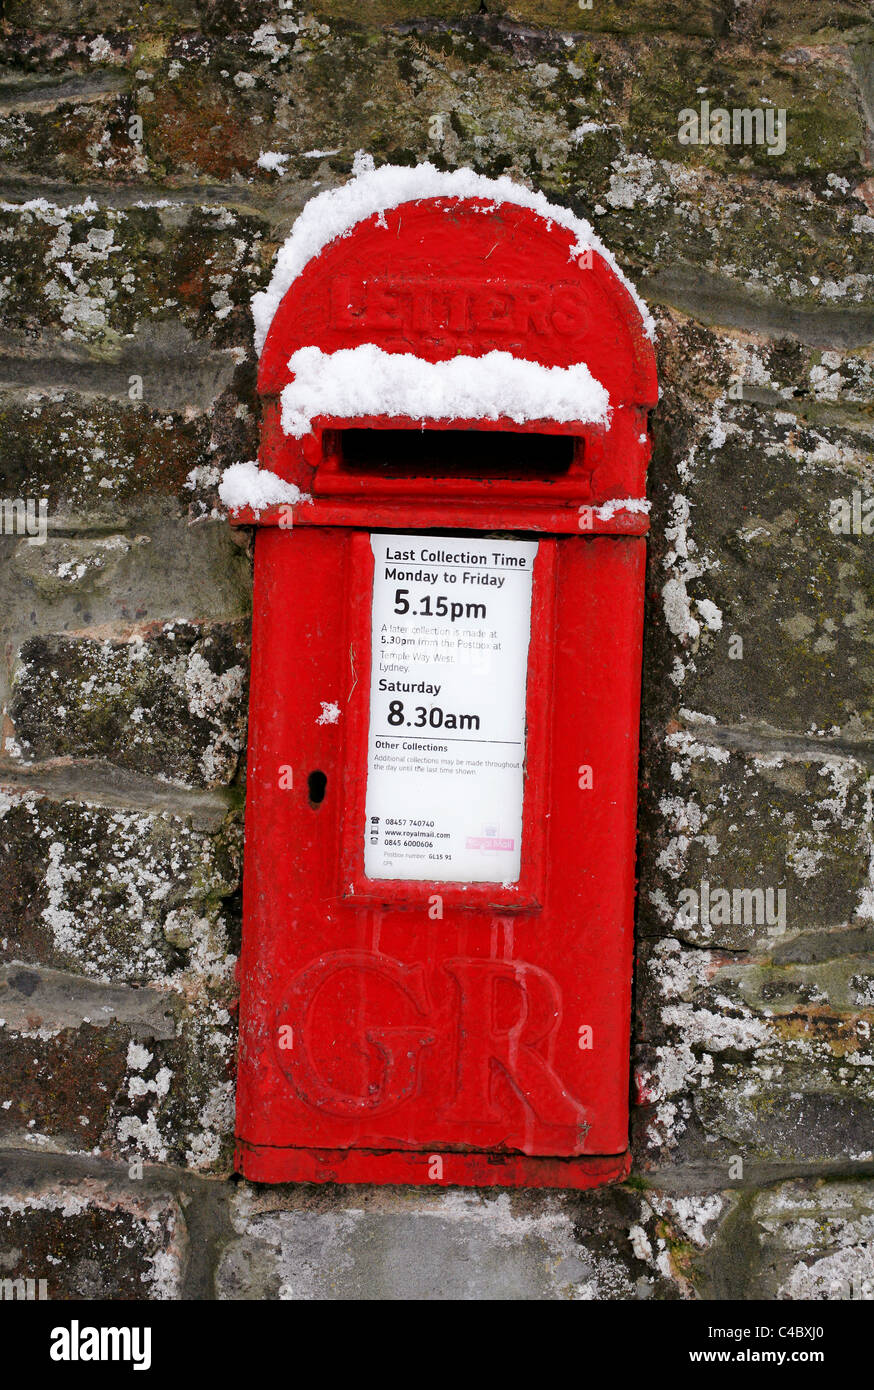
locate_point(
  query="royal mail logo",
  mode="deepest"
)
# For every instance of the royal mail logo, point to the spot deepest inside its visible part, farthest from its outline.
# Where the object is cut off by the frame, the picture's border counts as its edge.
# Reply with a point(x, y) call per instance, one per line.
point(488, 843)
point(506, 309)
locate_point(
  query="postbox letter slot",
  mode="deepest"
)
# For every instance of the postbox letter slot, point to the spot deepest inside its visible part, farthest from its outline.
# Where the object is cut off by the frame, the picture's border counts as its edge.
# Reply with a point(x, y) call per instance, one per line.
point(455, 453)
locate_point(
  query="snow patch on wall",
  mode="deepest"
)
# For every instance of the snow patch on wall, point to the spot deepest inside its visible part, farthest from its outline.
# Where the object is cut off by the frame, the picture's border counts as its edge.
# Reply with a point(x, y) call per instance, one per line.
point(272, 161)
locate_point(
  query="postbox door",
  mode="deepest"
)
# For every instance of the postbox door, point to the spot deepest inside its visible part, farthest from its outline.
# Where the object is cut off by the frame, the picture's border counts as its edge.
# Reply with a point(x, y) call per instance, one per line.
point(481, 1013)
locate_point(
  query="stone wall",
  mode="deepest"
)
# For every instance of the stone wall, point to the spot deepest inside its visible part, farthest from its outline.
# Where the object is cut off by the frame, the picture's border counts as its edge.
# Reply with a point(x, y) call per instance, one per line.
point(135, 224)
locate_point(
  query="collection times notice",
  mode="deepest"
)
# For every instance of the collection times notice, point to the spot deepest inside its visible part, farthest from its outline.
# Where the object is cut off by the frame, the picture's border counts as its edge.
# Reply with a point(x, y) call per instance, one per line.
point(451, 626)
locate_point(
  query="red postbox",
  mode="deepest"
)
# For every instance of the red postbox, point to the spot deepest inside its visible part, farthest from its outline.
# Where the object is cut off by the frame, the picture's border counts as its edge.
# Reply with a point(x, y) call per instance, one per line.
point(441, 807)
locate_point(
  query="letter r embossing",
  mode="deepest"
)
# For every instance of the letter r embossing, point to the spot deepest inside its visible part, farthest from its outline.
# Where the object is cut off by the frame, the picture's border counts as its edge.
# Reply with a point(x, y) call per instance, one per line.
point(486, 1046)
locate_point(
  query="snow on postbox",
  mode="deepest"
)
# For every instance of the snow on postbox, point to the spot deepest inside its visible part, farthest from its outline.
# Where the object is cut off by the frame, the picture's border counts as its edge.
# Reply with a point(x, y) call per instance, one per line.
point(449, 567)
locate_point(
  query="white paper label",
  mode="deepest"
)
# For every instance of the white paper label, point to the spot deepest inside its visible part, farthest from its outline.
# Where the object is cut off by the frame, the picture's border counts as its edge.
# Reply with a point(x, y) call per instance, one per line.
point(446, 750)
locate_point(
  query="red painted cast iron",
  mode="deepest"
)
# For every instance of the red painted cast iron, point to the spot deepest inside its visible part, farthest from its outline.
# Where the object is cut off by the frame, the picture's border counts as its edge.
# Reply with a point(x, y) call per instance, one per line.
point(490, 1045)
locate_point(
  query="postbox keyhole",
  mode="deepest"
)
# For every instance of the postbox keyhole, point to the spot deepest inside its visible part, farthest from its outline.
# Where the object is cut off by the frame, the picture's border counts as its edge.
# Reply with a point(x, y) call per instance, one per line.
point(316, 784)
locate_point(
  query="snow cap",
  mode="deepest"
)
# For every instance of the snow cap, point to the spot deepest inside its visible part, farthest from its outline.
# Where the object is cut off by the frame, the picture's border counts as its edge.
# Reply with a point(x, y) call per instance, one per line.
point(364, 380)
point(337, 211)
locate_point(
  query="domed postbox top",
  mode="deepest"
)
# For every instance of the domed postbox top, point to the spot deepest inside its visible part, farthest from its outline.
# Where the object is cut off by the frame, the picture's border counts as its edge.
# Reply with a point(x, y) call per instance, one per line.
point(411, 302)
